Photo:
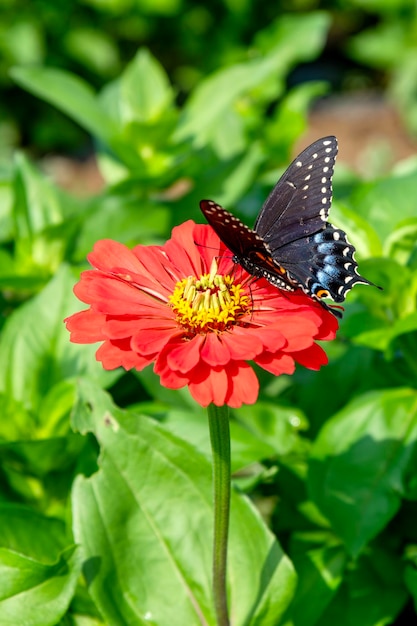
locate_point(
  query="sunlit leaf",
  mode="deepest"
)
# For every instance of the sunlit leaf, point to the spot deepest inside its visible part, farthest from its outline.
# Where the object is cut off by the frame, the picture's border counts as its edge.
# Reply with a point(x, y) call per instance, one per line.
point(35, 593)
point(360, 464)
point(145, 522)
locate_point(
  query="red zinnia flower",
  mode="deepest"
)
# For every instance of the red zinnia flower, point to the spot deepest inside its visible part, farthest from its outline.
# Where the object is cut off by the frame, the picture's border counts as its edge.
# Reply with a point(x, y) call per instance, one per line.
point(199, 324)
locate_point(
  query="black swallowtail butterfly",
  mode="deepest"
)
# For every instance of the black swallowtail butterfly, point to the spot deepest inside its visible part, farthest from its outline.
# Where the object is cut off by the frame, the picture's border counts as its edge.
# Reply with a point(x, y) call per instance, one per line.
point(292, 244)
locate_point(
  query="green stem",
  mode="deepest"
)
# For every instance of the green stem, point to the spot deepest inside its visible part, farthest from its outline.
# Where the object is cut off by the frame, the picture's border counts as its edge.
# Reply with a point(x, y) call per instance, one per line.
point(220, 446)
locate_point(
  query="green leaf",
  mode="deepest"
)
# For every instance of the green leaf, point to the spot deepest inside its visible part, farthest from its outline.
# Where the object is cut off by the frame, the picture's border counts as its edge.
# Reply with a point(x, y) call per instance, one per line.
point(35, 351)
point(389, 313)
point(360, 463)
point(378, 201)
point(124, 219)
point(93, 48)
point(320, 570)
point(39, 211)
point(372, 592)
point(401, 243)
point(290, 118)
point(192, 427)
point(145, 91)
point(26, 531)
point(140, 103)
point(33, 593)
point(381, 47)
point(40, 457)
point(361, 233)
point(149, 546)
point(410, 578)
point(70, 94)
point(16, 422)
point(291, 39)
point(37, 203)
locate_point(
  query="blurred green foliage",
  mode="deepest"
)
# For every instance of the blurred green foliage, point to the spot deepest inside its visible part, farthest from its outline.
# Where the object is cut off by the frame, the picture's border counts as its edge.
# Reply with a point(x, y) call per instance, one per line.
point(328, 456)
point(369, 45)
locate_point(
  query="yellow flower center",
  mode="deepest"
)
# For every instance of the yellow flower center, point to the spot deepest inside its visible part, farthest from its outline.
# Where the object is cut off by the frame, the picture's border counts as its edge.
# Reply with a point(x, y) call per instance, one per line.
point(209, 303)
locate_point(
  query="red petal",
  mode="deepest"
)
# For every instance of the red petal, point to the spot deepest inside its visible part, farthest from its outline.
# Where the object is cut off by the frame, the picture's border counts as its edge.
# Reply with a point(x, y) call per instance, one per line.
point(86, 326)
point(272, 338)
point(183, 252)
point(298, 331)
point(209, 385)
point(108, 254)
point(120, 355)
point(276, 364)
point(243, 343)
point(243, 386)
point(215, 351)
point(158, 267)
point(152, 340)
point(169, 378)
point(313, 357)
point(113, 296)
point(185, 355)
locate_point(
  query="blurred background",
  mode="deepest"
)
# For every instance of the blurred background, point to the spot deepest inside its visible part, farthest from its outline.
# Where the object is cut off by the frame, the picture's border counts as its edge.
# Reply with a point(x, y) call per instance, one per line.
point(367, 59)
point(116, 118)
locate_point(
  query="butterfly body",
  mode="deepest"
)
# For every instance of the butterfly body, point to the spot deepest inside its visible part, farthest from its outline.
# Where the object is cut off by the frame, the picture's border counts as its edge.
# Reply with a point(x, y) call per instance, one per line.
point(292, 245)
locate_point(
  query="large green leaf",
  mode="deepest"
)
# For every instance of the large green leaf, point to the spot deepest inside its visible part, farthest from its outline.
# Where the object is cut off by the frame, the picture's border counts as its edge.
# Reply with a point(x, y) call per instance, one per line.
point(35, 351)
point(361, 461)
point(71, 95)
point(34, 593)
point(145, 523)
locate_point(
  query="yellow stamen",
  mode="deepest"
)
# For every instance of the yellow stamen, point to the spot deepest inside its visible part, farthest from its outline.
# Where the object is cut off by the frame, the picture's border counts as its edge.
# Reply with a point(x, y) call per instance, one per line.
point(211, 302)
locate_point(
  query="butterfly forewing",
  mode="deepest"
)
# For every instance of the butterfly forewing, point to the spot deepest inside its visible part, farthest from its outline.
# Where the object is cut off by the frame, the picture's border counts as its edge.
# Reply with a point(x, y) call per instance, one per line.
point(239, 238)
point(299, 203)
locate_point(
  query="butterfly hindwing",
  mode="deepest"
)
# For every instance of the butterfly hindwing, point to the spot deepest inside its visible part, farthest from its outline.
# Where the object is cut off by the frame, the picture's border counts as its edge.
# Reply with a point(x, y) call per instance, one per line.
point(323, 264)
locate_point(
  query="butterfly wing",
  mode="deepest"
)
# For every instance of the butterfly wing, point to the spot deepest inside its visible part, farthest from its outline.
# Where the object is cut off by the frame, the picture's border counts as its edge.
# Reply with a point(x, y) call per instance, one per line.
point(293, 223)
point(299, 203)
point(322, 264)
point(293, 245)
point(248, 248)
point(239, 238)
